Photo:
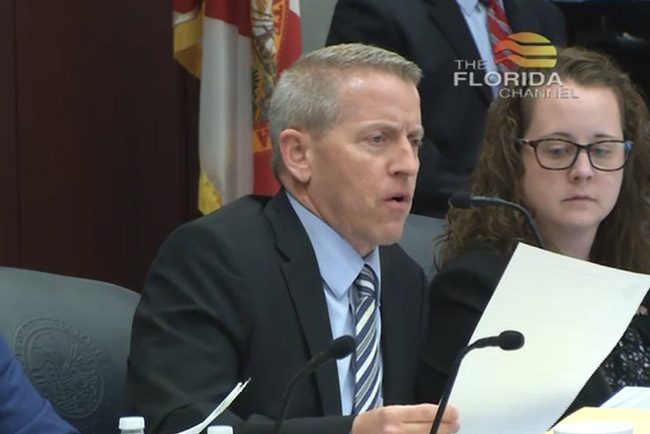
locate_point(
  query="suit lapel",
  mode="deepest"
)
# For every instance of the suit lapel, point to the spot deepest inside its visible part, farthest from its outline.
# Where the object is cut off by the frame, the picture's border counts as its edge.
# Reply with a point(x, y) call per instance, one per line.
point(524, 17)
point(305, 286)
point(392, 334)
point(518, 17)
point(449, 18)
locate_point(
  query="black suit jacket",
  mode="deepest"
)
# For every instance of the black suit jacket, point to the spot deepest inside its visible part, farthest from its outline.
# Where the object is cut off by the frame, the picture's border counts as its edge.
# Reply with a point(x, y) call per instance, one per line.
point(458, 297)
point(434, 34)
point(238, 293)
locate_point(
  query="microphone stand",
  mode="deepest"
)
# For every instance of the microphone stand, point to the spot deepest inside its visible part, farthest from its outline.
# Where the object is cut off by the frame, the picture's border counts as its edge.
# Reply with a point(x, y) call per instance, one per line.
point(444, 399)
point(338, 348)
point(524, 211)
point(463, 199)
point(508, 340)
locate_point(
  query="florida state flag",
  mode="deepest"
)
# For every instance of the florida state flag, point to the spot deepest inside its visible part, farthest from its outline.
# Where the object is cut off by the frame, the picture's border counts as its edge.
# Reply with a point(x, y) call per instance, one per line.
point(238, 48)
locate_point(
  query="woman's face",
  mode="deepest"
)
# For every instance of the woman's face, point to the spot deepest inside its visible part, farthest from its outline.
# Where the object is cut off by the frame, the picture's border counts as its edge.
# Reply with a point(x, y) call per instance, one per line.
point(577, 199)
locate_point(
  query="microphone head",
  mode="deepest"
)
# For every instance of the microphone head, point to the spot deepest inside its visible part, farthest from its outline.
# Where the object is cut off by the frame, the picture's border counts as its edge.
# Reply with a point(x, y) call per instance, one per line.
point(341, 347)
point(461, 199)
point(510, 340)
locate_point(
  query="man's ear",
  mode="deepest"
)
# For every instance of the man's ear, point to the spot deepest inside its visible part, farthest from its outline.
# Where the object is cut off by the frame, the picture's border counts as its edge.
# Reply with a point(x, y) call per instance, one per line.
point(294, 147)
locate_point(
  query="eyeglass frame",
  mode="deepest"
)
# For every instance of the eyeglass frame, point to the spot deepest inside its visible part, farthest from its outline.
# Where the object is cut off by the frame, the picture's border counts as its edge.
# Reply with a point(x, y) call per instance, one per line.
point(629, 145)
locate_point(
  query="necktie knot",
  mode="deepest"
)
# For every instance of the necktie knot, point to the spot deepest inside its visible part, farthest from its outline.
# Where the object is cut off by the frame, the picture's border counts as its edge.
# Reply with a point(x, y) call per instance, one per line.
point(366, 282)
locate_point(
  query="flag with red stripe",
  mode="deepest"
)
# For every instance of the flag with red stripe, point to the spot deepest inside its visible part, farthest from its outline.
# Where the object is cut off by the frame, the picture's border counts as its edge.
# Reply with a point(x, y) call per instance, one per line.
point(245, 44)
point(276, 44)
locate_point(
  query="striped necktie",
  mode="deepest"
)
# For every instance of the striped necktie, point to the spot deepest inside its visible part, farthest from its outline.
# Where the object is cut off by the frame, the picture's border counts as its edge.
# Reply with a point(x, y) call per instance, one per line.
point(499, 29)
point(367, 379)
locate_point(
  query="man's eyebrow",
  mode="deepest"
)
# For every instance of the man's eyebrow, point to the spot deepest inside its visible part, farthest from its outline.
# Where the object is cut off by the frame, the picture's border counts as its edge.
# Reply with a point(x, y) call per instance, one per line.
point(418, 130)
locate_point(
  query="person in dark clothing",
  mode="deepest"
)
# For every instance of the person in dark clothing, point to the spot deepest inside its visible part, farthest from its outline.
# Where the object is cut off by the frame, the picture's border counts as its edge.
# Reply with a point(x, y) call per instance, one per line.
point(446, 37)
point(262, 285)
point(581, 165)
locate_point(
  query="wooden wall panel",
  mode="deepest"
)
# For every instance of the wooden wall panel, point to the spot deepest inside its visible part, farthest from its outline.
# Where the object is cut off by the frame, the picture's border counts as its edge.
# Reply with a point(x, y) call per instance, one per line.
point(105, 160)
point(9, 210)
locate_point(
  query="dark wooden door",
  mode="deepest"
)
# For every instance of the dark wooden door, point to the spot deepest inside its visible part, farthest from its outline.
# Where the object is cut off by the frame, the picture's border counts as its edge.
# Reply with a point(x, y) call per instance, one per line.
point(97, 141)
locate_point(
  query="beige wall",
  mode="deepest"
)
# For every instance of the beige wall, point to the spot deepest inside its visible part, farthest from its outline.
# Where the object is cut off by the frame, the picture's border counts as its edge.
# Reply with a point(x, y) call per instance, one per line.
point(315, 22)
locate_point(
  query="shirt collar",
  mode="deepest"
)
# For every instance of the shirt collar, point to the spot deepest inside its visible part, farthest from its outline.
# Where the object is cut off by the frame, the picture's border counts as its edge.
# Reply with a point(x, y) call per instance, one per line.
point(338, 262)
point(468, 6)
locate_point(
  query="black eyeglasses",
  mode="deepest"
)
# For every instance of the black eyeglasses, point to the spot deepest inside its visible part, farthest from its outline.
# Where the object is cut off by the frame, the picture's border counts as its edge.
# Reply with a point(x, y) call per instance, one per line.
point(608, 155)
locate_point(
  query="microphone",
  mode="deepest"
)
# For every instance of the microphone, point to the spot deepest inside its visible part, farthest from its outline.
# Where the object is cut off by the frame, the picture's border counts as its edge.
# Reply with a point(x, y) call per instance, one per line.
point(463, 199)
point(507, 340)
point(338, 349)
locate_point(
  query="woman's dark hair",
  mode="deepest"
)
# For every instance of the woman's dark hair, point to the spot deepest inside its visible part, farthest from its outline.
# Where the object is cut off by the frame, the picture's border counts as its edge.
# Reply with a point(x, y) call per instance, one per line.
point(623, 237)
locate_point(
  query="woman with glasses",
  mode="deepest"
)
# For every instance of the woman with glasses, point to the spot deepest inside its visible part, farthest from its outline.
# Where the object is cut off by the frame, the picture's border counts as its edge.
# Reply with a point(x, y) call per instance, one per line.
point(576, 154)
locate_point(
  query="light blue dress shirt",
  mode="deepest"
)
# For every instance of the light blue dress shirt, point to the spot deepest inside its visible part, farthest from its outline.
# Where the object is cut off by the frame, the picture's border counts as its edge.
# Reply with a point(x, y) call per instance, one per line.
point(475, 15)
point(339, 265)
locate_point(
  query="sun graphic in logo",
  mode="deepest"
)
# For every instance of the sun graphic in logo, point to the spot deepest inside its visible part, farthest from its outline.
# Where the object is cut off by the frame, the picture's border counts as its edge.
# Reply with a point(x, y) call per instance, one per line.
point(527, 50)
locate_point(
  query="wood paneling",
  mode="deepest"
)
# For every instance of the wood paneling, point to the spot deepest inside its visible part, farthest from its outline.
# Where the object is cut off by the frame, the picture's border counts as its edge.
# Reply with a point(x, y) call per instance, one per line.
point(9, 210)
point(105, 165)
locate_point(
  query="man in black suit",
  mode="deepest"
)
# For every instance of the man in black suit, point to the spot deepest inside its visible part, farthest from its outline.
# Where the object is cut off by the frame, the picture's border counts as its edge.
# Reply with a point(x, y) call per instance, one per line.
point(436, 35)
point(262, 285)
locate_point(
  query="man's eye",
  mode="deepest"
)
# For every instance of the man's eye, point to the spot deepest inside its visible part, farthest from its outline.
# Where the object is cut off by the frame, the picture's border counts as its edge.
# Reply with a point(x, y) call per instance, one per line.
point(416, 142)
point(378, 139)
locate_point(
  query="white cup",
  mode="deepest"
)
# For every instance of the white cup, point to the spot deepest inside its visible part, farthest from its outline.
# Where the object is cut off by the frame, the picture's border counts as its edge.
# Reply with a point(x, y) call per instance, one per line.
point(594, 427)
point(220, 429)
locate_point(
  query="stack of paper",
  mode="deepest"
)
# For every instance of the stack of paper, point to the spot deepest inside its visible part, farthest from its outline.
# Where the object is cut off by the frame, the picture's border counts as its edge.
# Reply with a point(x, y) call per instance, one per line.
point(630, 397)
point(640, 418)
point(571, 312)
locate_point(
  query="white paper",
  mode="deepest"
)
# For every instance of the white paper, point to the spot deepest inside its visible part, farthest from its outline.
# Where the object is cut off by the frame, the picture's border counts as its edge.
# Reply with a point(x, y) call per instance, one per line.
point(571, 312)
point(223, 405)
point(630, 397)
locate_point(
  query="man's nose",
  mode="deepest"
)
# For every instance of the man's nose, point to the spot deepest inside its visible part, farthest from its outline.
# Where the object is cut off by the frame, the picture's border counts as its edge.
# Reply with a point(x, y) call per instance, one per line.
point(406, 160)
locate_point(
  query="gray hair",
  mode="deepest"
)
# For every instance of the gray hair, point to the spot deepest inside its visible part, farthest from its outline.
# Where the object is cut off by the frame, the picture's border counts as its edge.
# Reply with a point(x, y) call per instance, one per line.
point(307, 94)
